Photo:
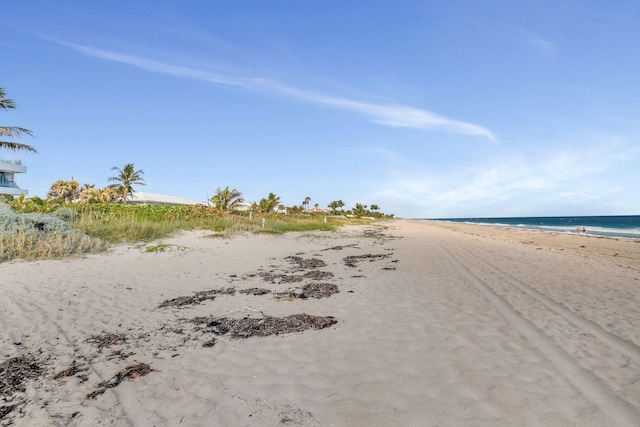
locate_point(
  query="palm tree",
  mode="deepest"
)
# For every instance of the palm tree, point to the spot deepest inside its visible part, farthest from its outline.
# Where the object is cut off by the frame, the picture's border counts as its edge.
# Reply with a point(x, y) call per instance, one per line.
point(107, 194)
point(12, 131)
point(306, 202)
point(66, 190)
point(89, 194)
point(127, 178)
point(335, 205)
point(270, 204)
point(360, 210)
point(226, 200)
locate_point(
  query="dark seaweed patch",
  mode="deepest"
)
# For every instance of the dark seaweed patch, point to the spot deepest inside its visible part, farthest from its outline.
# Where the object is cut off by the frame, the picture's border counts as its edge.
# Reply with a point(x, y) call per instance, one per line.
point(306, 263)
point(255, 291)
point(197, 298)
point(353, 260)
point(14, 374)
point(130, 372)
point(264, 326)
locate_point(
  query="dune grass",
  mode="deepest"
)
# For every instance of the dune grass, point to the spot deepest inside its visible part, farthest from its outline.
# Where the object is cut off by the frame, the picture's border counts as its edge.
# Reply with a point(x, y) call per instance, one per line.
point(122, 223)
point(97, 226)
point(30, 246)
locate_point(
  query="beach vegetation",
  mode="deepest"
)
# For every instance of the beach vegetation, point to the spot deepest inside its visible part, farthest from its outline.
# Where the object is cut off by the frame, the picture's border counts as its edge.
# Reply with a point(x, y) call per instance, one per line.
point(226, 200)
point(157, 248)
point(77, 219)
point(33, 235)
point(126, 178)
point(216, 236)
point(89, 194)
point(335, 206)
point(64, 192)
point(12, 132)
point(21, 204)
point(267, 205)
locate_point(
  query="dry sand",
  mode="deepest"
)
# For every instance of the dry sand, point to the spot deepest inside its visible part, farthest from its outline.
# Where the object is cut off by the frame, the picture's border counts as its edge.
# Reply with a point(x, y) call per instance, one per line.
point(437, 325)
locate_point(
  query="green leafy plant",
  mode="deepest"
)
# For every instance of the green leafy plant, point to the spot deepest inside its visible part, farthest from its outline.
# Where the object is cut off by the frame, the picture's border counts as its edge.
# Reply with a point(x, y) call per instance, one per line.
point(157, 248)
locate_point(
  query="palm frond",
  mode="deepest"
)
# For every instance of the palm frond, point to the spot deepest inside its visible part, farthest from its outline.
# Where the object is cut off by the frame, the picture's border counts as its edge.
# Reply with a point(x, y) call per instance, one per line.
point(14, 131)
point(15, 146)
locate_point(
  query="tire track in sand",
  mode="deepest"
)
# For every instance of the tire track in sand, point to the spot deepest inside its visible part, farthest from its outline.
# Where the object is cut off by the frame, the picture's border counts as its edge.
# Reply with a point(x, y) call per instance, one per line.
point(593, 387)
point(21, 304)
point(623, 346)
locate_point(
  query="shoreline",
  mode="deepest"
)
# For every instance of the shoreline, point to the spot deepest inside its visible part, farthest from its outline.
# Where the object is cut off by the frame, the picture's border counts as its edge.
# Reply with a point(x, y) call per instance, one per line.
point(599, 246)
point(435, 325)
point(597, 230)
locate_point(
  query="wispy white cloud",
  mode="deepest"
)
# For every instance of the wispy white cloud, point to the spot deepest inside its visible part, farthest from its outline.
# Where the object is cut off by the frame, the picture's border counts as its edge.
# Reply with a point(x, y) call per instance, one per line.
point(542, 46)
point(392, 115)
point(511, 185)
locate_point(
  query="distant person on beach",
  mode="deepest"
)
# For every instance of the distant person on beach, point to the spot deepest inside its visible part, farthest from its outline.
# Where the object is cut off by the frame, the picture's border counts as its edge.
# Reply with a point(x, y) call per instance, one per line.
point(578, 230)
point(584, 231)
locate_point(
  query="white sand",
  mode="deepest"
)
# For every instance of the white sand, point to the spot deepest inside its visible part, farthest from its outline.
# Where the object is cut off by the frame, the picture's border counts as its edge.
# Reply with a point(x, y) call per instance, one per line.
point(458, 326)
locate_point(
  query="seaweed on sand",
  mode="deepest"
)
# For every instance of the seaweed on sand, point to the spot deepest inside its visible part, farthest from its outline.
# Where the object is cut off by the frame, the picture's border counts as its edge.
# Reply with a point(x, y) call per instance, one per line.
point(255, 291)
point(353, 260)
point(130, 372)
point(106, 340)
point(263, 326)
point(197, 298)
point(14, 374)
point(306, 263)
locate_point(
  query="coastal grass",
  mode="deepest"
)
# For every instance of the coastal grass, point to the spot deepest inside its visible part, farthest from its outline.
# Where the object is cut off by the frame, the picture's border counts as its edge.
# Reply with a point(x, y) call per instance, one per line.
point(29, 246)
point(95, 227)
point(139, 223)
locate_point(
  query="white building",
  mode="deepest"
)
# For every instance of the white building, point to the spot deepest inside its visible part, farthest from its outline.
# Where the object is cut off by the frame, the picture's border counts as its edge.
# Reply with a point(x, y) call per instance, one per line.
point(8, 169)
point(138, 197)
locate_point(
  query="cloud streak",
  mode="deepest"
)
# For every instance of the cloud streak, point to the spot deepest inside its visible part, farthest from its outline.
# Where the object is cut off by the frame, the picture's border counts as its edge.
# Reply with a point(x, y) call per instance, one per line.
point(392, 115)
point(510, 185)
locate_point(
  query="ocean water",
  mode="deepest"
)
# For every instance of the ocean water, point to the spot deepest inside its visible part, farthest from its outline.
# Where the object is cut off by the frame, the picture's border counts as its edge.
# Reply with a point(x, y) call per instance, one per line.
point(624, 226)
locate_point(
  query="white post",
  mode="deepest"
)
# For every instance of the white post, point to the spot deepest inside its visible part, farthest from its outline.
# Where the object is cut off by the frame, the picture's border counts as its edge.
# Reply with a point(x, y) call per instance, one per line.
point(263, 220)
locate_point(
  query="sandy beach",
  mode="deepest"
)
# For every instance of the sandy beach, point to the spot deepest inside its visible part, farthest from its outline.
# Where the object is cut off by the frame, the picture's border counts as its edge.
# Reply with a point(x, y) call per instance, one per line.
point(408, 323)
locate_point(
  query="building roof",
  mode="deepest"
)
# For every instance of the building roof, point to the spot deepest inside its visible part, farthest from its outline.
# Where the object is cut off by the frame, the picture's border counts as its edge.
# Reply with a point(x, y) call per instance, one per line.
point(159, 199)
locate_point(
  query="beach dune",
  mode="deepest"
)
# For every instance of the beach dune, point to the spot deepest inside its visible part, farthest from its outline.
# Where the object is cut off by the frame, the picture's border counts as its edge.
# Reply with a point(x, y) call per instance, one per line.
point(406, 323)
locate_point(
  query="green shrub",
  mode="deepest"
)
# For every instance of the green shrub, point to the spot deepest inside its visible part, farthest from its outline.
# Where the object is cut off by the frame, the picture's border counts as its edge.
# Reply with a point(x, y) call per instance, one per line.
point(36, 236)
point(64, 214)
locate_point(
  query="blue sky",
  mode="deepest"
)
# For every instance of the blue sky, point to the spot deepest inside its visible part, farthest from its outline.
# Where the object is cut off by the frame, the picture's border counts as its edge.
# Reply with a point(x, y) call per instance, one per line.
point(427, 108)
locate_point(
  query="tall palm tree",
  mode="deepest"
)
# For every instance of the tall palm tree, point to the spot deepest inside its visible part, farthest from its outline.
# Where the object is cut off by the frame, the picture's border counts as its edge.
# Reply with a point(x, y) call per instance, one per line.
point(127, 177)
point(306, 202)
point(226, 200)
point(12, 131)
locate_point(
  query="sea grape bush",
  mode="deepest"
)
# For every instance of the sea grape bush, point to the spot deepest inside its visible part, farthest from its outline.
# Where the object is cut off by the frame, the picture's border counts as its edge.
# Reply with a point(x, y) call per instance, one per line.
point(151, 213)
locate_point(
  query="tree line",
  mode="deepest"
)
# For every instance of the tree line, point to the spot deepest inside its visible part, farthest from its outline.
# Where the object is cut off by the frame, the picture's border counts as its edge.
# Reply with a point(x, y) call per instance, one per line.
point(124, 181)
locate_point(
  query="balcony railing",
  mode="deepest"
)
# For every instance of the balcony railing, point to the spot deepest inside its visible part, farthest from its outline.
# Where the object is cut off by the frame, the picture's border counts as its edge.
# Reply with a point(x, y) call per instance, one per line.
point(7, 183)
